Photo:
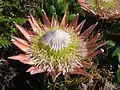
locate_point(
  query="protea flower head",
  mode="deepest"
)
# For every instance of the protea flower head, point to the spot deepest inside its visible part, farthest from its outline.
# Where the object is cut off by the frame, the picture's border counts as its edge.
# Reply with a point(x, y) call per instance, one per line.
point(105, 9)
point(57, 48)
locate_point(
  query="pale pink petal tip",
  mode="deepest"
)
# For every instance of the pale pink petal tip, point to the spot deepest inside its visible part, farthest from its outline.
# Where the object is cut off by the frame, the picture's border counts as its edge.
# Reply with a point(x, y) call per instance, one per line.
point(35, 25)
point(45, 19)
point(19, 57)
point(21, 40)
point(26, 62)
point(25, 32)
point(33, 70)
point(54, 21)
point(22, 58)
point(20, 45)
point(64, 21)
point(32, 25)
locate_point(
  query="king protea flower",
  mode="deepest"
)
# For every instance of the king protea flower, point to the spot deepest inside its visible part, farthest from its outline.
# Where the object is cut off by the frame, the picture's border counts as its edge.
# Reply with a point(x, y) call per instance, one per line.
point(57, 48)
point(105, 9)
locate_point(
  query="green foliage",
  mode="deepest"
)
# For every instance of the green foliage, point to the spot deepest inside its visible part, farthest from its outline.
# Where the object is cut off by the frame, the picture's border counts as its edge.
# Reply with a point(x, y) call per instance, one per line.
point(8, 20)
point(53, 6)
point(9, 12)
point(52, 9)
point(71, 17)
point(59, 5)
point(111, 31)
point(117, 53)
point(118, 72)
point(7, 30)
point(75, 8)
point(4, 42)
point(111, 43)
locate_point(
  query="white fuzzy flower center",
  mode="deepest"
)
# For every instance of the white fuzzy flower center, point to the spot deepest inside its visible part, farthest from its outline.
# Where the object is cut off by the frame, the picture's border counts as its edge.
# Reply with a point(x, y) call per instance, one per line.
point(56, 39)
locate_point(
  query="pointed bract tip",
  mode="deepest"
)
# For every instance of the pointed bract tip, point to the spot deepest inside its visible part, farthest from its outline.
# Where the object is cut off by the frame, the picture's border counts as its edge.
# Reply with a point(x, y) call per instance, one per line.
point(45, 19)
point(33, 70)
point(84, 20)
point(54, 13)
point(12, 36)
point(77, 14)
point(31, 14)
point(102, 50)
point(64, 21)
point(42, 10)
point(14, 22)
point(9, 58)
point(12, 39)
point(96, 23)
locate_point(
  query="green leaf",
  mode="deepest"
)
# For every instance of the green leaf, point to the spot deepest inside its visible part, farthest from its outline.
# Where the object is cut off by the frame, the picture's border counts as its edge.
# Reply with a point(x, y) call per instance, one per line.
point(118, 66)
point(118, 75)
point(61, 8)
point(119, 57)
point(111, 43)
point(52, 9)
point(116, 52)
point(71, 17)
point(59, 1)
point(4, 43)
point(8, 20)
